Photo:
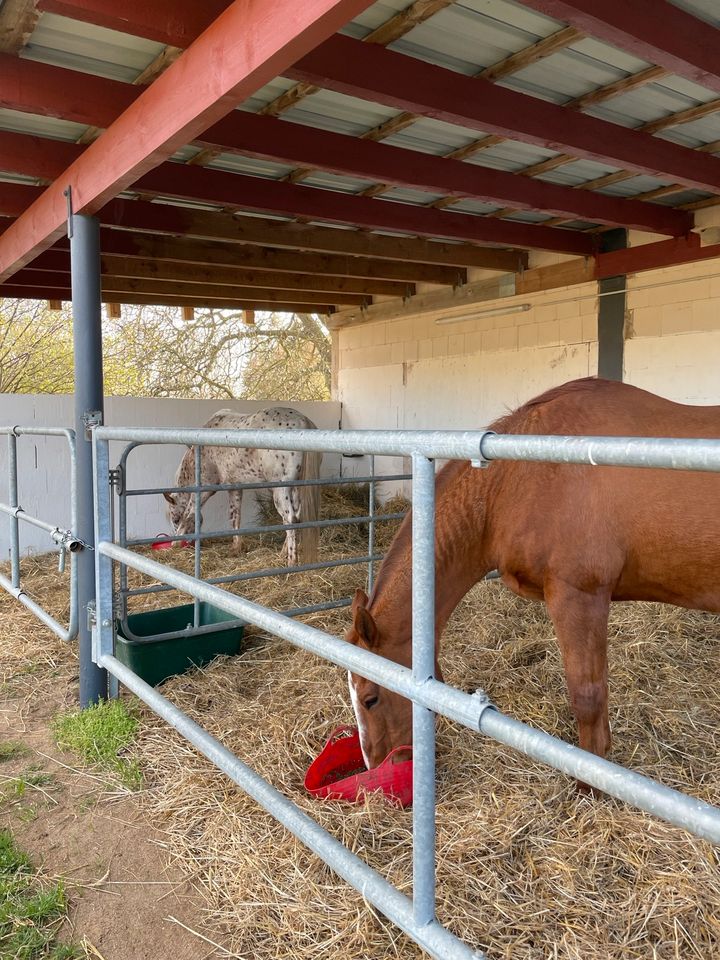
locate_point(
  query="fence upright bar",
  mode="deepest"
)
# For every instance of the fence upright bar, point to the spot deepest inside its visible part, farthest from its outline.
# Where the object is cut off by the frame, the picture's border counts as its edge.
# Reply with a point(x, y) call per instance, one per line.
point(197, 545)
point(423, 669)
point(13, 502)
point(87, 340)
point(371, 525)
point(103, 639)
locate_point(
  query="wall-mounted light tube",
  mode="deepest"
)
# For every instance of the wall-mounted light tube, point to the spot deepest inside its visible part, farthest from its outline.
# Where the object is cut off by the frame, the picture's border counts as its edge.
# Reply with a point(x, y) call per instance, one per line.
point(493, 312)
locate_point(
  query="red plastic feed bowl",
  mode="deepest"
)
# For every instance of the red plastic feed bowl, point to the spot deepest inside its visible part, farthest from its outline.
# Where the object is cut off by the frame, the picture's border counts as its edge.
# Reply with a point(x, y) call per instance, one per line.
point(339, 771)
point(169, 544)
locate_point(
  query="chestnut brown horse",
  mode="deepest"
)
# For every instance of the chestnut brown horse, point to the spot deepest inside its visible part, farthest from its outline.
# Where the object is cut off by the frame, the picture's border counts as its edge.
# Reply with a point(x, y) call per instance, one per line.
point(574, 536)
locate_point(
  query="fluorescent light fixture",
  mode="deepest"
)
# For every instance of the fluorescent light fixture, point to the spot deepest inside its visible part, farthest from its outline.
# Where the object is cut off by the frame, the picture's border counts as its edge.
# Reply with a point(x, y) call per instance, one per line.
point(493, 312)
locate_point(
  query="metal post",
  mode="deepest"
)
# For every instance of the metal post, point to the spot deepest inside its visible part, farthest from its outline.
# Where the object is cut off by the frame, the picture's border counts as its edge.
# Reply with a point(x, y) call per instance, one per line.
point(423, 669)
point(87, 338)
point(371, 525)
point(198, 529)
point(13, 502)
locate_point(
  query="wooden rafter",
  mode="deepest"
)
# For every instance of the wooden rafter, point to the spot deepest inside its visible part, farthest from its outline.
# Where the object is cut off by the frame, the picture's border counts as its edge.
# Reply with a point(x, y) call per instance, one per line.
point(347, 66)
point(252, 135)
point(176, 107)
point(653, 30)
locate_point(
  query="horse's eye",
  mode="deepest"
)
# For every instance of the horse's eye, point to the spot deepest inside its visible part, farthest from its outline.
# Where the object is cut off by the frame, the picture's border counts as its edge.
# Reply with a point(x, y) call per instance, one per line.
point(370, 703)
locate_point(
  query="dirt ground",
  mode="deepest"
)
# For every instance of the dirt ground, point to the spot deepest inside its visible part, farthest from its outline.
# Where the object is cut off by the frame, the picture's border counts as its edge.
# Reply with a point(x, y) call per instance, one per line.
point(126, 902)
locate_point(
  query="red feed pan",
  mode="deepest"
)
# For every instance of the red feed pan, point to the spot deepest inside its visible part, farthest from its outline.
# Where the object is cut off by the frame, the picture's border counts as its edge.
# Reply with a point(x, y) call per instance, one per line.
point(169, 544)
point(339, 771)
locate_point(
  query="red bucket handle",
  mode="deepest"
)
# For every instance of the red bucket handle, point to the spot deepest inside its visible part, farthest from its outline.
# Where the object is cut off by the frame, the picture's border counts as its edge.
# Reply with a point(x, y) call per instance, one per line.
point(338, 732)
point(388, 758)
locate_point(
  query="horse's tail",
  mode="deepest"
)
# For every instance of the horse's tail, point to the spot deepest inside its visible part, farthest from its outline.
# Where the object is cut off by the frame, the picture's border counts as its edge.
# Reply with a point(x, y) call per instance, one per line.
point(310, 507)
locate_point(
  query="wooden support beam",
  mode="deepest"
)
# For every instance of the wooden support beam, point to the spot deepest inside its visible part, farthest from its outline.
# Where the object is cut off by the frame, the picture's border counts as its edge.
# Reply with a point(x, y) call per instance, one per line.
point(55, 305)
point(57, 262)
point(252, 135)
point(13, 291)
point(650, 256)
point(27, 277)
point(204, 84)
point(406, 83)
point(114, 311)
point(188, 314)
point(363, 253)
point(253, 193)
point(171, 22)
point(185, 252)
point(653, 30)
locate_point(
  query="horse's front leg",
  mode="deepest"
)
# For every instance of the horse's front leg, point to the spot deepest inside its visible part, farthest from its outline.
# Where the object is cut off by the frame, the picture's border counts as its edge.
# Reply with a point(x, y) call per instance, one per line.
point(581, 621)
point(283, 505)
point(235, 515)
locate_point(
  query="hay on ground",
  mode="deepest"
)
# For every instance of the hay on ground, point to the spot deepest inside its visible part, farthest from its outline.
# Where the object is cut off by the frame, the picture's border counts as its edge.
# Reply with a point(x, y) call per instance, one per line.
point(527, 868)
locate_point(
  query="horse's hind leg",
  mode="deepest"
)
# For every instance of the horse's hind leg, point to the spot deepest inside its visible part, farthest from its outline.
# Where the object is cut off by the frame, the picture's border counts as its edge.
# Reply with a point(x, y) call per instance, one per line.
point(235, 497)
point(581, 621)
point(284, 506)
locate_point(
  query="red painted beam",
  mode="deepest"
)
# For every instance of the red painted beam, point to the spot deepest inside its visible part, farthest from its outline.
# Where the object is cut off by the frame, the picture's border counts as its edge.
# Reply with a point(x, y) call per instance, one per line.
point(254, 135)
point(51, 91)
point(171, 22)
point(405, 83)
point(248, 45)
point(653, 30)
point(13, 291)
point(235, 191)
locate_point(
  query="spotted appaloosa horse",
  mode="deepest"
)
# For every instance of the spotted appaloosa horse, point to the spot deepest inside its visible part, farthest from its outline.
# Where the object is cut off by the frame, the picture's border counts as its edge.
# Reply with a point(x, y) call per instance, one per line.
point(246, 465)
point(574, 536)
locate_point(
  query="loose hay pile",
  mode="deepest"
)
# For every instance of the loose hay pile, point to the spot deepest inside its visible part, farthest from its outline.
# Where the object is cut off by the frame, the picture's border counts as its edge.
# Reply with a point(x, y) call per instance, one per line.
point(527, 869)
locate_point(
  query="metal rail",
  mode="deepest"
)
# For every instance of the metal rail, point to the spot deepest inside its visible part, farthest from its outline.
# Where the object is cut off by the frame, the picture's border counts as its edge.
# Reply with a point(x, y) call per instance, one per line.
point(429, 695)
point(197, 538)
point(67, 540)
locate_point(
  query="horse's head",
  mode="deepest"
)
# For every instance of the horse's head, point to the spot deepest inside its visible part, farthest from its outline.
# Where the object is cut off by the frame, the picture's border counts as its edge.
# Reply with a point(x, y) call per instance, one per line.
point(384, 718)
point(181, 512)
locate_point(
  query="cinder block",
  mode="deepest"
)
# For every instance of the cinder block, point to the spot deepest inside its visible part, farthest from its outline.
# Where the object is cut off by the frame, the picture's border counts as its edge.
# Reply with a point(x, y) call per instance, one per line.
point(570, 331)
point(410, 350)
point(706, 315)
point(568, 310)
point(548, 332)
point(425, 349)
point(527, 335)
point(590, 328)
point(677, 318)
point(456, 343)
point(490, 340)
point(508, 338)
point(645, 322)
point(473, 342)
point(397, 354)
point(440, 347)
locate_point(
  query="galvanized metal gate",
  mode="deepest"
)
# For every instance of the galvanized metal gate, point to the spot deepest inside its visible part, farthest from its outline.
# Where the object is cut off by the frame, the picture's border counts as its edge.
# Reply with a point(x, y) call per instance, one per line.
point(415, 916)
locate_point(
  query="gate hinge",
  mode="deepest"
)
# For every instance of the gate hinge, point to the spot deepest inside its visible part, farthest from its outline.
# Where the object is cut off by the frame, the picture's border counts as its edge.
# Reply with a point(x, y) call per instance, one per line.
point(91, 615)
point(91, 418)
point(116, 479)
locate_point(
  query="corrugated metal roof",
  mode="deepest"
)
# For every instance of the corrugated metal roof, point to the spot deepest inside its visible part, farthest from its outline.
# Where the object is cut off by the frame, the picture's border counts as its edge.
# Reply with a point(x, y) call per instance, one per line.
point(466, 37)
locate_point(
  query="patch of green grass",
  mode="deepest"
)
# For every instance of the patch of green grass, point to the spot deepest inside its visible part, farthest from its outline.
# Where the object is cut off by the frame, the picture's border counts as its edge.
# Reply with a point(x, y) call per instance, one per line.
point(10, 749)
point(99, 734)
point(30, 911)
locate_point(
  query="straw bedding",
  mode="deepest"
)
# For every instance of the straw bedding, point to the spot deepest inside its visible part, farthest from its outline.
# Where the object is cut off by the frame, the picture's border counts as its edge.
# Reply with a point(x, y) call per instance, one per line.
point(527, 868)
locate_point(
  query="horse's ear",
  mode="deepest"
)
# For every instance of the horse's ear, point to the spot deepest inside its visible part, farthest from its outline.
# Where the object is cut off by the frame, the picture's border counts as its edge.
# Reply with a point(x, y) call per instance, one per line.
point(365, 626)
point(359, 600)
point(170, 498)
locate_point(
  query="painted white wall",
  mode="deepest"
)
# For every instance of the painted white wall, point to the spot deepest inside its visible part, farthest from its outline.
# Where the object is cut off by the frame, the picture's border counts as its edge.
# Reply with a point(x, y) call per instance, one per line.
point(43, 464)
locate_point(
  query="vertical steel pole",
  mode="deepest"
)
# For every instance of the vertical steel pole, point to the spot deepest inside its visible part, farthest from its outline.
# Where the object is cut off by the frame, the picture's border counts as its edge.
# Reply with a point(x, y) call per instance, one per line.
point(87, 338)
point(423, 668)
point(13, 502)
point(371, 525)
point(198, 525)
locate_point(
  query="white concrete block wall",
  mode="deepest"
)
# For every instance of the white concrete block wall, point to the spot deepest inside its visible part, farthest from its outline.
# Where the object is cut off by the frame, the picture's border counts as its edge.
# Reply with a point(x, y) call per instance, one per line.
point(43, 463)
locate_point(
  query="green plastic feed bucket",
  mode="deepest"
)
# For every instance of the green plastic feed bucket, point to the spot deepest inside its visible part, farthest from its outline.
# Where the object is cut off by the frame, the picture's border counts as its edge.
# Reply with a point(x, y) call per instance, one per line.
point(156, 660)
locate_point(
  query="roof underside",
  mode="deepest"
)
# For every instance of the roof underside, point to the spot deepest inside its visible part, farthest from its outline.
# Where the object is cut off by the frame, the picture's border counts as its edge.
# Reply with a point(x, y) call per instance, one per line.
point(422, 139)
